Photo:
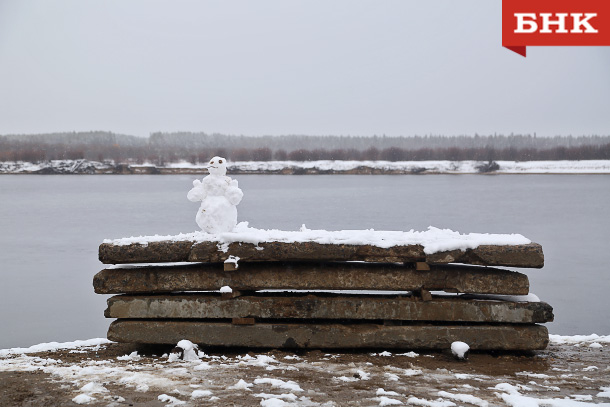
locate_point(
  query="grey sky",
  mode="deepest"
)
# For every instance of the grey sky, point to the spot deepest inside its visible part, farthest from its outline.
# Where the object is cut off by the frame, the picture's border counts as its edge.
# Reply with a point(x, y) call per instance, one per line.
point(288, 67)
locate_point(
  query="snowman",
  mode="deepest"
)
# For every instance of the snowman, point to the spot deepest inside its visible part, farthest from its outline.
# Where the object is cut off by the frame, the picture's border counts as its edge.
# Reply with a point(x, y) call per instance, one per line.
point(219, 196)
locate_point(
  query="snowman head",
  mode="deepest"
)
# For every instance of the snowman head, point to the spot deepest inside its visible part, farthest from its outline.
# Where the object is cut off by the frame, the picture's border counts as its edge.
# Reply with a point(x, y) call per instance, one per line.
point(218, 166)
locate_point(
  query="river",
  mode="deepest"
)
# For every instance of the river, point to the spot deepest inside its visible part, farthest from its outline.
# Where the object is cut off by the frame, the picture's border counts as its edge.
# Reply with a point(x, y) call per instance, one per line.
point(52, 225)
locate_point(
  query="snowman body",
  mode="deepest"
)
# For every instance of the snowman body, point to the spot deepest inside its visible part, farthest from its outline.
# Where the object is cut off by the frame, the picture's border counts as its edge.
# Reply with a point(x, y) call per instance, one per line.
point(219, 196)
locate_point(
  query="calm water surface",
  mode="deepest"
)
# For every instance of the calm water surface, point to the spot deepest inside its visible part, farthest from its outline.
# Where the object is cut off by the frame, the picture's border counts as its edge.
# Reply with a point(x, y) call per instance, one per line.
point(51, 226)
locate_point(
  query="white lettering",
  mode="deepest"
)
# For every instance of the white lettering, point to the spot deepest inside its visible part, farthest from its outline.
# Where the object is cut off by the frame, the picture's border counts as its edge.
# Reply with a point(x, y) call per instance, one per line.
point(584, 22)
point(522, 22)
point(560, 22)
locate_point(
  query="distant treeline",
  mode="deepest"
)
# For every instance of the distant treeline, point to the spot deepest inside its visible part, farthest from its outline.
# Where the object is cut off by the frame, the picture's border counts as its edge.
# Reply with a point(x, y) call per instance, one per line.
point(162, 148)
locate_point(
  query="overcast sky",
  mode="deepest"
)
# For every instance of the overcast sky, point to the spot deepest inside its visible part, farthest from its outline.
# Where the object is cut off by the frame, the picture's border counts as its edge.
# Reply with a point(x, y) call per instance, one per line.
point(288, 67)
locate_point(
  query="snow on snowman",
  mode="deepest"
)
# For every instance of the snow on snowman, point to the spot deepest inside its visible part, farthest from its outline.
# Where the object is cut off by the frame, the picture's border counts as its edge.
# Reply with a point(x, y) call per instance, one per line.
point(219, 196)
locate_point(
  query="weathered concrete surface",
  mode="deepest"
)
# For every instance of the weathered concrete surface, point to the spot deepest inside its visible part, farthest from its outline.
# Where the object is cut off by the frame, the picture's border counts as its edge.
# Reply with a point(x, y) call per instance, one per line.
point(310, 276)
point(154, 252)
point(529, 255)
point(402, 308)
point(332, 336)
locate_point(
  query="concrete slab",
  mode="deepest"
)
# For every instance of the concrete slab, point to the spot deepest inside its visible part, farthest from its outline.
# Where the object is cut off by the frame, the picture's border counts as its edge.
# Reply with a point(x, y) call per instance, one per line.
point(529, 255)
point(310, 276)
point(304, 307)
point(331, 336)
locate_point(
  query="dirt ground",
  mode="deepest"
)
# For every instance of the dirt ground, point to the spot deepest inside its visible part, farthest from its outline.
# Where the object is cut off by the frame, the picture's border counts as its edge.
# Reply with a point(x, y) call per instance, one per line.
point(577, 373)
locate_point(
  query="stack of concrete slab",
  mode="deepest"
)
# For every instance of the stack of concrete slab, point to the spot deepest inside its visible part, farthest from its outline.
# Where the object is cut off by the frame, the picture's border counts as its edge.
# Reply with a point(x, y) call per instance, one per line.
point(315, 295)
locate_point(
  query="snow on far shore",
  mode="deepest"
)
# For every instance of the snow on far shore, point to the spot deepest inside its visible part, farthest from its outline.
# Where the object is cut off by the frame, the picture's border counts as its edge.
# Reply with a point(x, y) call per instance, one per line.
point(444, 167)
point(433, 240)
point(578, 339)
point(425, 167)
point(54, 346)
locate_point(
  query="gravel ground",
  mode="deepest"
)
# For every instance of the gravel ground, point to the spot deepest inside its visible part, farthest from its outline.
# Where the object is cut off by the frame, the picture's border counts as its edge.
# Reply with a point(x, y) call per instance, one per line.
point(562, 375)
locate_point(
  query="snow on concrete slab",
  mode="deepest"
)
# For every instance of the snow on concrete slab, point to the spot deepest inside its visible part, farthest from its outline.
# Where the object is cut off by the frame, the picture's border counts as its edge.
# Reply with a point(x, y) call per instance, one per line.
point(433, 239)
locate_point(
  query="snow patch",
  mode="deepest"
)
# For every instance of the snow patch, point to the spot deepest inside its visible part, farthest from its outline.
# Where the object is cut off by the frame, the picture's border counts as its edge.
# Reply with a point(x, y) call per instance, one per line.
point(133, 356)
point(83, 399)
point(288, 385)
point(464, 398)
point(172, 401)
point(55, 346)
point(241, 385)
point(197, 394)
point(430, 403)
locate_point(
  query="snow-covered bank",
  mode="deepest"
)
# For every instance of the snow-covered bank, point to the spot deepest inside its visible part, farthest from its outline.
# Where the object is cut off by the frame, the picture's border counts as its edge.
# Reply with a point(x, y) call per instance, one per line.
point(114, 375)
point(433, 240)
point(94, 343)
point(430, 167)
point(311, 167)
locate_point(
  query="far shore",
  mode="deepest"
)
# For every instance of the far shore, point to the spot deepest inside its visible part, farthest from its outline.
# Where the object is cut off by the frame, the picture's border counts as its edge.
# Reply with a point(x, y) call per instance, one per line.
point(324, 167)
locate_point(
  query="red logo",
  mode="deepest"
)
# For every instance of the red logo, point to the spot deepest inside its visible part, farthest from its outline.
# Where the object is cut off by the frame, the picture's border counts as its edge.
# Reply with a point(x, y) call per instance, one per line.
point(554, 23)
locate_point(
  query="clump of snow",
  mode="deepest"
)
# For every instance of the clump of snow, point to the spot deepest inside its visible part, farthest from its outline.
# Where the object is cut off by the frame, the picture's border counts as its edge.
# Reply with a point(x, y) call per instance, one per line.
point(464, 398)
point(93, 388)
point(283, 396)
point(408, 354)
point(460, 349)
point(286, 385)
point(233, 260)
point(433, 239)
point(605, 392)
point(83, 399)
point(132, 356)
point(172, 401)
point(430, 403)
point(274, 403)
point(262, 361)
point(386, 401)
point(188, 352)
point(381, 392)
point(391, 376)
point(197, 394)
point(241, 385)
point(226, 289)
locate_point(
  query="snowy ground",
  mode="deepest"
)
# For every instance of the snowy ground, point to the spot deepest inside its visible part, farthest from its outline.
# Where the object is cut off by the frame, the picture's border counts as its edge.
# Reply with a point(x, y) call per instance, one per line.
point(326, 166)
point(573, 371)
